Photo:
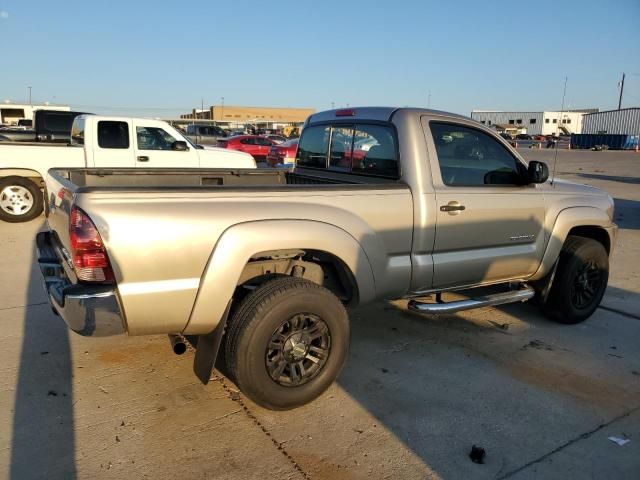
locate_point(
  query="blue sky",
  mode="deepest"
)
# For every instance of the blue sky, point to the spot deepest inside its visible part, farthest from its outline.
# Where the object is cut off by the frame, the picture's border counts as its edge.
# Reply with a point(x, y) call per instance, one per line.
point(155, 59)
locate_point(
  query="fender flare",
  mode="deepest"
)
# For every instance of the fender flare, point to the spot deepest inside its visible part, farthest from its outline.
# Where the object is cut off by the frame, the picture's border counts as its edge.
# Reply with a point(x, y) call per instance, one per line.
point(566, 220)
point(239, 242)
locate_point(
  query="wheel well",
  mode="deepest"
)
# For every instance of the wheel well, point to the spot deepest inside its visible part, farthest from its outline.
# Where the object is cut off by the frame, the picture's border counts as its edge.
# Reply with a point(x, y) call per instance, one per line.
point(332, 273)
point(598, 234)
point(37, 179)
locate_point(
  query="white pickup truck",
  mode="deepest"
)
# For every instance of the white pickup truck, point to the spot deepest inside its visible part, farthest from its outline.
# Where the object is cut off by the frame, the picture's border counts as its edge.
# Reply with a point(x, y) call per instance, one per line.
point(96, 142)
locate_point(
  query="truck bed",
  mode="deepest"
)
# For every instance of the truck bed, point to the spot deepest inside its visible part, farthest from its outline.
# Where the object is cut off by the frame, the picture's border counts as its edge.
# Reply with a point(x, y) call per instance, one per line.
point(161, 227)
point(137, 179)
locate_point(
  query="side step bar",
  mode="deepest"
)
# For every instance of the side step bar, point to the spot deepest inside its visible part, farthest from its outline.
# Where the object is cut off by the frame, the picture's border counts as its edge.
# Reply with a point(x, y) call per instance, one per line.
point(521, 295)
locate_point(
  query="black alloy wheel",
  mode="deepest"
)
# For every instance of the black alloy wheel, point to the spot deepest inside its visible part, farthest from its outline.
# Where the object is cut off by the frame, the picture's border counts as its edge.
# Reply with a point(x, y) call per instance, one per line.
point(298, 349)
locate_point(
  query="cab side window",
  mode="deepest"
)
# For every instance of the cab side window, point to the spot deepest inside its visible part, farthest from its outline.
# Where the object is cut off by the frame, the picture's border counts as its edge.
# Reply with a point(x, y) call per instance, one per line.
point(113, 134)
point(470, 157)
point(154, 138)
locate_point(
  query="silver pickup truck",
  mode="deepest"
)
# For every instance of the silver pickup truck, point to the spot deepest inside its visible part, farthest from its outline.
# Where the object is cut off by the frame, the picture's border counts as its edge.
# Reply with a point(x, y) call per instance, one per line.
point(384, 203)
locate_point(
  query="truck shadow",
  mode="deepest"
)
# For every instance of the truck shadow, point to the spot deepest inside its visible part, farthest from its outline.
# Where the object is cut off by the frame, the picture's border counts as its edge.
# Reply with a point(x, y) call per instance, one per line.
point(626, 213)
point(610, 178)
point(440, 384)
point(43, 439)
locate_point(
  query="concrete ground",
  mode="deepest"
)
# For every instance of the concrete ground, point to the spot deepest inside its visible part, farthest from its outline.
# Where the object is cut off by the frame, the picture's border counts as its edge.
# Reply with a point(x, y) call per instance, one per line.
point(417, 393)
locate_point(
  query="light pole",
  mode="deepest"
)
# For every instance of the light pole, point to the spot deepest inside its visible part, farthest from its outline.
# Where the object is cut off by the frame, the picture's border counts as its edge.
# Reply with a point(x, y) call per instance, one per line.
point(30, 104)
point(621, 90)
point(222, 109)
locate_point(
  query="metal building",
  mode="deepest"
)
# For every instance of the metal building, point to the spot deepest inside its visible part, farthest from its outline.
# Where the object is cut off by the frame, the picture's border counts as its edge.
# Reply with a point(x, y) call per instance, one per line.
point(625, 121)
point(532, 123)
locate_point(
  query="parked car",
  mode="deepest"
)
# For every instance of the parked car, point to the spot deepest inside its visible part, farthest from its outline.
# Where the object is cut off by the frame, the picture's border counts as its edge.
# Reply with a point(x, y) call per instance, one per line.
point(277, 139)
point(100, 141)
point(255, 145)
point(283, 154)
point(524, 136)
point(205, 134)
point(261, 263)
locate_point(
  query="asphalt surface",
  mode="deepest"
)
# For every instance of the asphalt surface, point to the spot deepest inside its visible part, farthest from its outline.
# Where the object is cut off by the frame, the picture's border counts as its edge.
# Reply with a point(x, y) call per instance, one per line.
point(417, 393)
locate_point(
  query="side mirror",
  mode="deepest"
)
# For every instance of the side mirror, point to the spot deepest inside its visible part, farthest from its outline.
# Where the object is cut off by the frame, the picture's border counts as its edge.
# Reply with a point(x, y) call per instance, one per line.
point(538, 172)
point(180, 146)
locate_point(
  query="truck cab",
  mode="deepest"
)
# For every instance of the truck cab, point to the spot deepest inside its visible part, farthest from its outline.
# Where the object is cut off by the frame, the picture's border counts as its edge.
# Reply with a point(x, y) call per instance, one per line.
point(122, 142)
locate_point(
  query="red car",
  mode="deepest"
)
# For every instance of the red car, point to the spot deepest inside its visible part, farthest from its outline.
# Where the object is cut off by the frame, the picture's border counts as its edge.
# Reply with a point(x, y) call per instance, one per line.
point(285, 153)
point(254, 145)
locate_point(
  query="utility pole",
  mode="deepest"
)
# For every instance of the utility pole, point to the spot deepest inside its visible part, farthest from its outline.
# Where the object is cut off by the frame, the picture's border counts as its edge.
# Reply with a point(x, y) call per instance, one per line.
point(31, 104)
point(621, 90)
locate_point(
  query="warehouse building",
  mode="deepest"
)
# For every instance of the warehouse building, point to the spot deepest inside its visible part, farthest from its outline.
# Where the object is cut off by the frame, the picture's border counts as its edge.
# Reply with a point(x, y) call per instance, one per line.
point(533, 123)
point(10, 113)
point(250, 115)
point(625, 121)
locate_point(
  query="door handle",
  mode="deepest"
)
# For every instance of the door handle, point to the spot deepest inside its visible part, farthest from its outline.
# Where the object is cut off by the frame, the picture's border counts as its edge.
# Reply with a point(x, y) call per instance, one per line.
point(452, 207)
point(143, 158)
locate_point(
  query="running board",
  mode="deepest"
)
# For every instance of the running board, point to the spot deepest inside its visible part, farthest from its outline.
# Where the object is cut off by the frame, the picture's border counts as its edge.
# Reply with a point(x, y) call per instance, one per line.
point(521, 295)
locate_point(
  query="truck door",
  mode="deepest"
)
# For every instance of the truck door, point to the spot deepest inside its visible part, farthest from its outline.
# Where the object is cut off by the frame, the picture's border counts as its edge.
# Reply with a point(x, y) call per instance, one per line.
point(489, 226)
point(113, 146)
point(155, 148)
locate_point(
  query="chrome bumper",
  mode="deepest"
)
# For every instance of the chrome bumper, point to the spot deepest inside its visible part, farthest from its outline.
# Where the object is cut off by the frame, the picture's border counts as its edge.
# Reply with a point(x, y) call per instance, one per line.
point(89, 310)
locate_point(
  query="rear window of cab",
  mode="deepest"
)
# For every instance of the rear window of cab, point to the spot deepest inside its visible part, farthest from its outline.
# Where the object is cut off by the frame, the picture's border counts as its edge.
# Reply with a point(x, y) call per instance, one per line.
point(363, 149)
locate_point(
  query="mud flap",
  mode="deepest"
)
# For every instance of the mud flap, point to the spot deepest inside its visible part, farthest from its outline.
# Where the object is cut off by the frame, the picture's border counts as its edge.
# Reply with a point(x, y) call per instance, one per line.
point(207, 349)
point(544, 294)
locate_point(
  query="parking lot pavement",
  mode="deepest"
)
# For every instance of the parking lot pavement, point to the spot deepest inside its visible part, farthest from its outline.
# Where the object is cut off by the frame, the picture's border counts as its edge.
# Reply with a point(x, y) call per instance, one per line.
point(417, 393)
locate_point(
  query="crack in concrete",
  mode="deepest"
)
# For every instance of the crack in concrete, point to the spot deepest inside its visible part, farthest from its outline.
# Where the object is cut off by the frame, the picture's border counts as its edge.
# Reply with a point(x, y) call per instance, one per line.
point(619, 312)
point(23, 306)
point(582, 436)
point(235, 396)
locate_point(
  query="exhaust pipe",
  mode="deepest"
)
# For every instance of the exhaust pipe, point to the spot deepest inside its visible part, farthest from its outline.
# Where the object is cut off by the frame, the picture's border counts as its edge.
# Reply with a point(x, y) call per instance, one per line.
point(177, 344)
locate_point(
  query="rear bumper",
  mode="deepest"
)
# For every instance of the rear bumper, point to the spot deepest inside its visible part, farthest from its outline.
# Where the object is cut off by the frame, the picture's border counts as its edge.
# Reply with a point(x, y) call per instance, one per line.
point(89, 310)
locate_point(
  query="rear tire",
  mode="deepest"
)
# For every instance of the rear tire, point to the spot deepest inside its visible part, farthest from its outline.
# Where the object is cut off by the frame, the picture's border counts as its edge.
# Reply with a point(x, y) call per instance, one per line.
point(580, 281)
point(287, 342)
point(21, 200)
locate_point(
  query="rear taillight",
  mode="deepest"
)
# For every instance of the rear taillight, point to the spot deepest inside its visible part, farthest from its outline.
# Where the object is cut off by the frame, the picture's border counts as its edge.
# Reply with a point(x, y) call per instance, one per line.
point(90, 260)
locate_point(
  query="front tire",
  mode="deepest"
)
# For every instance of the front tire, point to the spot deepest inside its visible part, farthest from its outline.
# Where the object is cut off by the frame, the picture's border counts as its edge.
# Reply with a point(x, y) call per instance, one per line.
point(287, 342)
point(580, 281)
point(20, 199)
